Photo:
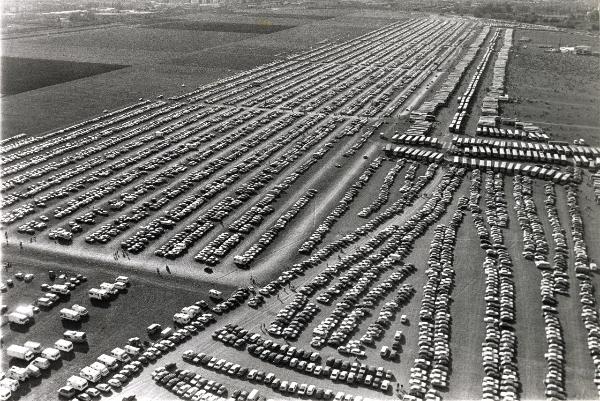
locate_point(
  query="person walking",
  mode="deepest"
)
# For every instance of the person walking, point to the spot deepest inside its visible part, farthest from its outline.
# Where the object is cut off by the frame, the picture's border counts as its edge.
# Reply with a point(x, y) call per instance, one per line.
point(21, 245)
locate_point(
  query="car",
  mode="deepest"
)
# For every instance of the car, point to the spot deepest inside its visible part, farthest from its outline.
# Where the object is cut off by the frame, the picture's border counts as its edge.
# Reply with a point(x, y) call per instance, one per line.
point(67, 392)
point(104, 388)
point(114, 383)
point(93, 392)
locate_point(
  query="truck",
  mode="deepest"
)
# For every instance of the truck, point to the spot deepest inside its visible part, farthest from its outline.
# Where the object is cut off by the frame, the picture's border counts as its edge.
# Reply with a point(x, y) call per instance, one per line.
point(19, 352)
point(18, 318)
point(69, 314)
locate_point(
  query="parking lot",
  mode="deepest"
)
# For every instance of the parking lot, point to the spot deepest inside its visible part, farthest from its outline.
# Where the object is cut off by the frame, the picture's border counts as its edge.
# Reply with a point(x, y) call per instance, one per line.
point(288, 238)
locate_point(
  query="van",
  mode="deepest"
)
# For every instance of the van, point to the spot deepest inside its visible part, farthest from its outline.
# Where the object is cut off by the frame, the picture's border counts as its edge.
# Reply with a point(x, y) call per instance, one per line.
point(121, 355)
point(33, 371)
point(64, 345)
point(69, 314)
point(26, 310)
point(19, 352)
point(90, 374)
point(9, 383)
point(100, 367)
point(52, 297)
point(110, 288)
point(17, 373)
point(18, 318)
point(78, 383)
point(181, 318)
point(41, 363)
point(120, 286)
point(153, 329)
point(131, 350)
point(61, 289)
point(46, 302)
point(101, 295)
point(52, 354)
point(80, 309)
point(110, 362)
point(166, 332)
point(75, 336)
point(35, 347)
point(192, 311)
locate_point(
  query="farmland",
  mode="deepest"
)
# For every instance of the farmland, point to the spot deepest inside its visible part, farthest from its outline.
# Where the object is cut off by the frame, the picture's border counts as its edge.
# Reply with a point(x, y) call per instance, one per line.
point(347, 207)
point(22, 75)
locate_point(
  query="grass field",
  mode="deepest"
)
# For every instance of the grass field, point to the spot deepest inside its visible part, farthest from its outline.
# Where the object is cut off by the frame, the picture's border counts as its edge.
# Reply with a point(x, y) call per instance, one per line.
point(557, 91)
point(22, 75)
point(263, 27)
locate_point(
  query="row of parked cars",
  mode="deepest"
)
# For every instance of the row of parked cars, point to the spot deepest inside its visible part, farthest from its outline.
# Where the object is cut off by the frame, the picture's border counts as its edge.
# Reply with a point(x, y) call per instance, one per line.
point(341, 208)
point(384, 191)
point(499, 356)
point(387, 314)
point(583, 269)
point(559, 239)
point(220, 122)
point(356, 304)
point(90, 149)
point(403, 237)
point(465, 101)
point(273, 232)
point(303, 361)
point(69, 141)
point(432, 365)
point(285, 387)
point(293, 318)
point(184, 239)
point(111, 372)
point(289, 83)
point(189, 385)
